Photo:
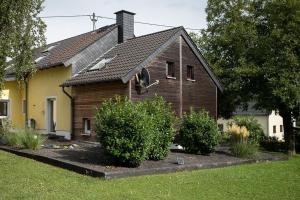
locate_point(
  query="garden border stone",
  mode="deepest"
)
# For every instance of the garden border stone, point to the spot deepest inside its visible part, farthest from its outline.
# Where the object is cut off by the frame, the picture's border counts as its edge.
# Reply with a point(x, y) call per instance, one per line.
point(81, 169)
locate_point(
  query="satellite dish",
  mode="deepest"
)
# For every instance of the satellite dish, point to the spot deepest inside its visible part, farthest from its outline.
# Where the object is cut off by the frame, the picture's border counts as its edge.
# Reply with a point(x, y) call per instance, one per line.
point(143, 81)
point(143, 78)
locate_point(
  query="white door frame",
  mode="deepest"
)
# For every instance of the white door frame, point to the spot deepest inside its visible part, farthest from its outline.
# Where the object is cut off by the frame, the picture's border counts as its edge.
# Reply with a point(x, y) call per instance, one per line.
point(48, 128)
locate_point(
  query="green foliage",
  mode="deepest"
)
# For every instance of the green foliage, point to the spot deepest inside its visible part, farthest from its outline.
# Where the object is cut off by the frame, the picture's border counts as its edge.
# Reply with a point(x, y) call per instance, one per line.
point(256, 133)
point(124, 129)
point(273, 144)
point(244, 149)
point(23, 138)
point(163, 127)
point(31, 139)
point(21, 31)
point(13, 139)
point(132, 132)
point(199, 133)
point(253, 47)
point(5, 127)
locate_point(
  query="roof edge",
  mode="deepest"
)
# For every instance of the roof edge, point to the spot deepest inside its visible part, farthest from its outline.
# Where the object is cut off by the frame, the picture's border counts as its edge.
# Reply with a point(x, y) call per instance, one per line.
point(181, 32)
point(135, 70)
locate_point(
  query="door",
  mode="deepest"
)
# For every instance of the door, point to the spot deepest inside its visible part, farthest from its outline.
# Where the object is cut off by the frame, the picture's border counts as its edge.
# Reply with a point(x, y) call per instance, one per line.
point(51, 115)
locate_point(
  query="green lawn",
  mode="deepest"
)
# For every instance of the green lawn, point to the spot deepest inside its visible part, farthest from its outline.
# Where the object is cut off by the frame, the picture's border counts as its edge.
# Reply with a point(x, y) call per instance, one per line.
point(22, 178)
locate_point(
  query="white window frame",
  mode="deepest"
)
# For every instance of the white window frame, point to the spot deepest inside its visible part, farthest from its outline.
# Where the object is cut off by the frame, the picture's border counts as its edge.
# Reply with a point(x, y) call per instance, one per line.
point(8, 108)
point(167, 72)
point(85, 125)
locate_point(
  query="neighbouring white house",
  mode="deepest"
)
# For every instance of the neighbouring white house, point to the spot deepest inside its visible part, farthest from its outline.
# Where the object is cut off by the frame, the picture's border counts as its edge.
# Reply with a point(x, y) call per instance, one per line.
point(271, 122)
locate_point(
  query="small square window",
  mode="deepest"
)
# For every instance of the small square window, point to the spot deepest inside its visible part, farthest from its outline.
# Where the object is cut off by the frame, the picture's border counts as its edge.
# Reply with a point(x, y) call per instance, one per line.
point(86, 126)
point(190, 72)
point(170, 69)
point(274, 129)
point(281, 128)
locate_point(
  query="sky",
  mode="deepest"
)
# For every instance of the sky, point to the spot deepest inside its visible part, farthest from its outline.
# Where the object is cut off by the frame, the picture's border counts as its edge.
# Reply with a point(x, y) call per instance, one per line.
point(187, 13)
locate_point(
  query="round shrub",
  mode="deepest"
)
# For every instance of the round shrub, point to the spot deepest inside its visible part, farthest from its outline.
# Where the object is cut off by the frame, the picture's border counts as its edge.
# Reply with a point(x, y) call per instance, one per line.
point(256, 133)
point(199, 133)
point(163, 120)
point(124, 130)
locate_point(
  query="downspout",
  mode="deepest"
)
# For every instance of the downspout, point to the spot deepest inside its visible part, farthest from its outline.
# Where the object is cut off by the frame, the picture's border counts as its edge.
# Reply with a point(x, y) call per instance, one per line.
point(26, 102)
point(72, 112)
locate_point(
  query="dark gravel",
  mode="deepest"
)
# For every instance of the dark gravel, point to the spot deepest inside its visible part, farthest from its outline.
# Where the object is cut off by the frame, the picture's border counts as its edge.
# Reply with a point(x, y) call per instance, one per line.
point(91, 157)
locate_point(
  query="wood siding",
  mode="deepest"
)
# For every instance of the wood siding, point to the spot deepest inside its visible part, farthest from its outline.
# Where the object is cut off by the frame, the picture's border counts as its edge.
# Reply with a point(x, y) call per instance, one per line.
point(88, 97)
point(168, 88)
point(199, 94)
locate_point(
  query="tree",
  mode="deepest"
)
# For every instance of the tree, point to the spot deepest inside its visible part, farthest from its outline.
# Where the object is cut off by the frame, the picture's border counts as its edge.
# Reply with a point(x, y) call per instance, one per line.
point(21, 32)
point(254, 48)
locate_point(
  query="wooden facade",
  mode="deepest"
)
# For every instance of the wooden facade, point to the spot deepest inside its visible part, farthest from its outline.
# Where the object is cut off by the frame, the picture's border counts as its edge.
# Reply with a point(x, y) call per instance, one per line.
point(182, 93)
point(200, 93)
point(87, 98)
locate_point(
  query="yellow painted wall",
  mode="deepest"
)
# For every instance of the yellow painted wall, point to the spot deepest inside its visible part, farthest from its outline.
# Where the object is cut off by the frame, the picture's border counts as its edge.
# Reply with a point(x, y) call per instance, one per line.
point(45, 83)
point(13, 92)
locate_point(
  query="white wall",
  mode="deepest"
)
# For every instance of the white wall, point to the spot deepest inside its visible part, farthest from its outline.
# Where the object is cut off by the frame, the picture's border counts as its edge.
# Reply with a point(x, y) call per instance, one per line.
point(275, 120)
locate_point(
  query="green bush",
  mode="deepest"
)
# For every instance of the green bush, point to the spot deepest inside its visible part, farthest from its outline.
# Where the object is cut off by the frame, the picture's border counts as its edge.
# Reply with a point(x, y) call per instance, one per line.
point(199, 133)
point(12, 139)
point(124, 129)
point(252, 125)
point(273, 144)
point(5, 127)
point(163, 130)
point(244, 149)
point(31, 139)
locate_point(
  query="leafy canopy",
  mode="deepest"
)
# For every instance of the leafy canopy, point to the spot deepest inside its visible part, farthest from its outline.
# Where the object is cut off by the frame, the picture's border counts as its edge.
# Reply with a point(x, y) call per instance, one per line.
point(254, 48)
point(21, 30)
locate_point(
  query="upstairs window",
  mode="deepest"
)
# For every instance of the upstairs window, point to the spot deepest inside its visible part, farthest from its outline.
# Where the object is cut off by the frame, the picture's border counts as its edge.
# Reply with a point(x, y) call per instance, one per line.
point(190, 72)
point(3, 108)
point(170, 70)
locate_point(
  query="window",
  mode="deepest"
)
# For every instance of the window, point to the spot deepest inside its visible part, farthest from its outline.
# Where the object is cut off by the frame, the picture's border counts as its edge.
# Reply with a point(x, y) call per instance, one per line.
point(86, 126)
point(281, 128)
point(274, 129)
point(170, 68)
point(4, 108)
point(190, 72)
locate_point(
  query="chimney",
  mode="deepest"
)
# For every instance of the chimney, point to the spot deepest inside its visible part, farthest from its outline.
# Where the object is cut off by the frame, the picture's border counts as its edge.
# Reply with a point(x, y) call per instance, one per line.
point(125, 22)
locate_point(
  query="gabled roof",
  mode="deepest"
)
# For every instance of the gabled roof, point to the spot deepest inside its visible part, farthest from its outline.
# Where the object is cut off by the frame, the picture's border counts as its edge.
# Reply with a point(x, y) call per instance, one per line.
point(61, 51)
point(130, 57)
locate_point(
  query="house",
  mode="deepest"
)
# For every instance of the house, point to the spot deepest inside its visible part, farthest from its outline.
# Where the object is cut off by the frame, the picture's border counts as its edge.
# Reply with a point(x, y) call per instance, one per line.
point(77, 74)
point(271, 122)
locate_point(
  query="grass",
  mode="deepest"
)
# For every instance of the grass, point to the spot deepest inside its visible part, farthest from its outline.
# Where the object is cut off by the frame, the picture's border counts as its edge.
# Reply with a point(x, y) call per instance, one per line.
point(22, 178)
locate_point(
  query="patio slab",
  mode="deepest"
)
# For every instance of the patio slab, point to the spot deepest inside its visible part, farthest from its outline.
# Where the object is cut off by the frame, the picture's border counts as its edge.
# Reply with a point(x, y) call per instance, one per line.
point(90, 159)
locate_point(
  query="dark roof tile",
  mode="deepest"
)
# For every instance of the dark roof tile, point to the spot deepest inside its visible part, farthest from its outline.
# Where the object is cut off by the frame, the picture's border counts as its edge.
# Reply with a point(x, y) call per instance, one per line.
point(126, 56)
point(65, 49)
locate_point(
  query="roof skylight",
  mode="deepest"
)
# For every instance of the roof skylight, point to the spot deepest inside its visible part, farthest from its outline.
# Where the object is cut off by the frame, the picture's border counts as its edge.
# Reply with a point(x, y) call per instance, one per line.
point(100, 64)
point(39, 59)
point(48, 49)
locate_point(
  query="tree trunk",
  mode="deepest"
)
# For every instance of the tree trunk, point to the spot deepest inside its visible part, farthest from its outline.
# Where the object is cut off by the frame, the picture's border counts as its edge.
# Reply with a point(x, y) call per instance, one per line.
point(289, 134)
